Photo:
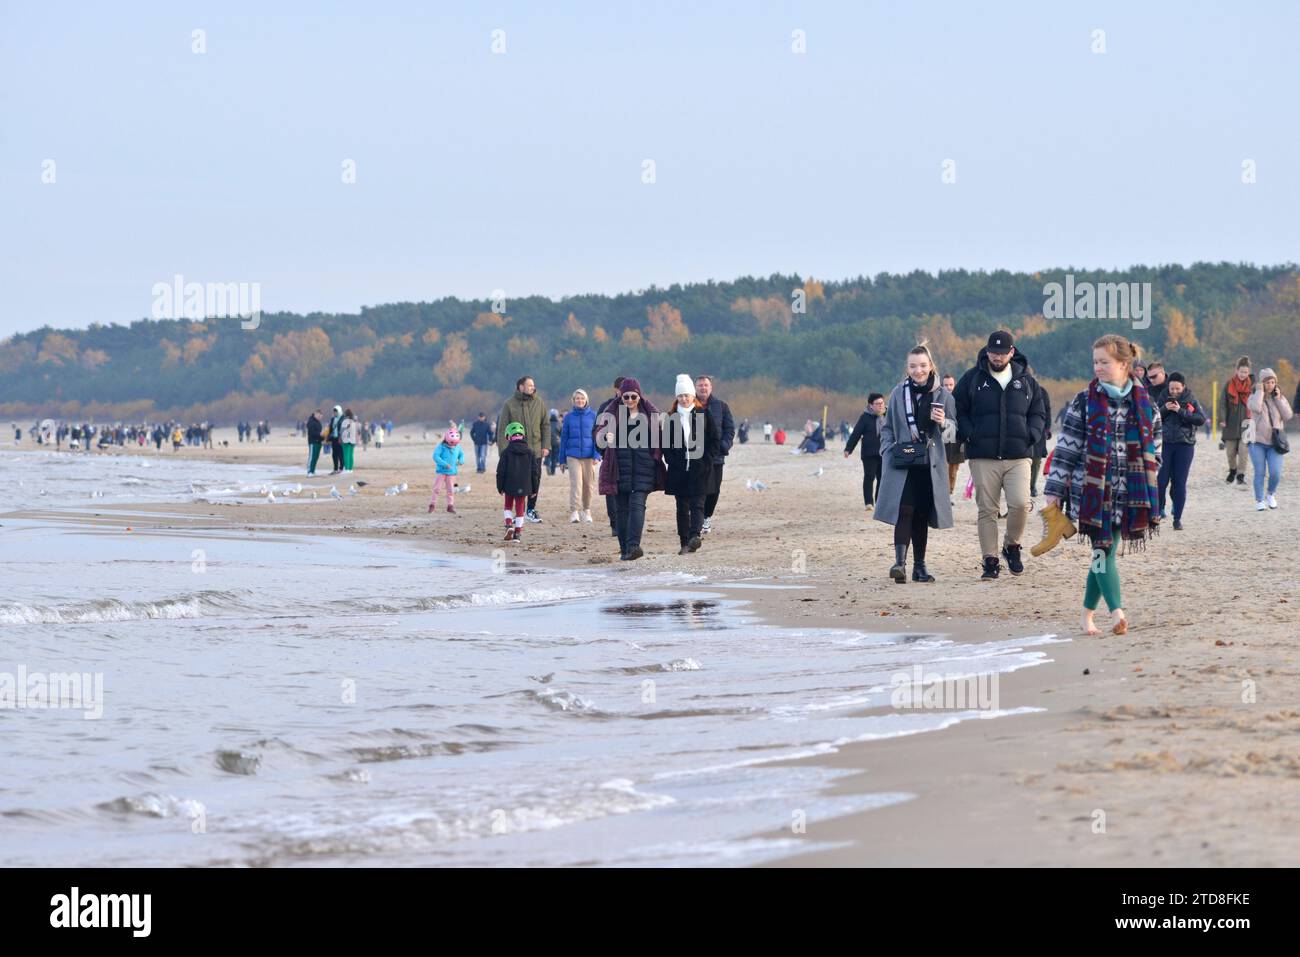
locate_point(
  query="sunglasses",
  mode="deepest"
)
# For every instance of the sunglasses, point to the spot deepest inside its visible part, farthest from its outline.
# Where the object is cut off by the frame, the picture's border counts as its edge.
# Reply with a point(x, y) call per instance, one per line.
point(629, 396)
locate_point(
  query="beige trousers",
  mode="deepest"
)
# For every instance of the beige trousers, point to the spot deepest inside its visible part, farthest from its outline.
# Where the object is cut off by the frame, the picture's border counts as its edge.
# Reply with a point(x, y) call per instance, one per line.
point(992, 478)
point(582, 483)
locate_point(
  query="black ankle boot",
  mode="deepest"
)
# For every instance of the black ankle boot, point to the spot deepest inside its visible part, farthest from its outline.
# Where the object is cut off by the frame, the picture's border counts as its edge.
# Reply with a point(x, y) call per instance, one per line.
point(919, 574)
point(898, 572)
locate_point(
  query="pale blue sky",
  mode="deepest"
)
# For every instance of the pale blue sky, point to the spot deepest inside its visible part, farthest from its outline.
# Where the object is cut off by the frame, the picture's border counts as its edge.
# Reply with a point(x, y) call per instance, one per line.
point(522, 171)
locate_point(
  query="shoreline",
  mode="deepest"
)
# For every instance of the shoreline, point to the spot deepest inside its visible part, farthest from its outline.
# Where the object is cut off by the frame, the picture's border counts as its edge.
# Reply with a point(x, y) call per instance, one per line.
point(1158, 718)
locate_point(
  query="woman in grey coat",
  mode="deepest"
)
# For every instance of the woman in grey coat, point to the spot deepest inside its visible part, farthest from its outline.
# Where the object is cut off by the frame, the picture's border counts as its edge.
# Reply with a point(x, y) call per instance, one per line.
point(915, 499)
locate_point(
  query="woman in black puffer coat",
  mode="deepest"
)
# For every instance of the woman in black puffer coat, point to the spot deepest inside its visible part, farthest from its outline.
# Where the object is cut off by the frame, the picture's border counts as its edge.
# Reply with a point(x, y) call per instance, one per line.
point(633, 445)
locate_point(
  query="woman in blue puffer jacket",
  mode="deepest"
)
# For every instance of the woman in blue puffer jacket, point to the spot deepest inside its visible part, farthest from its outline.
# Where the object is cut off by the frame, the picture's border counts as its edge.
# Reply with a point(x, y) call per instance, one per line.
point(579, 456)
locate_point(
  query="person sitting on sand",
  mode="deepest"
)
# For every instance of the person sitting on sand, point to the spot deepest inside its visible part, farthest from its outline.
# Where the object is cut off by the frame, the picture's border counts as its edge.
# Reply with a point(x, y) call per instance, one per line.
point(1106, 466)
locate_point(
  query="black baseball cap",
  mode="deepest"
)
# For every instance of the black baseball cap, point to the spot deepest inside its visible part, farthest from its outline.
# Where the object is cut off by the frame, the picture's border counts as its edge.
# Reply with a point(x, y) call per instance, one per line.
point(1000, 342)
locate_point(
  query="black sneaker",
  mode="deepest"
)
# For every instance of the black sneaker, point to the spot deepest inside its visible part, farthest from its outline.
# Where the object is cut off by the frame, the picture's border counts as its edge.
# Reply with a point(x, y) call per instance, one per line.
point(1241, 478)
point(532, 515)
point(694, 544)
point(991, 568)
point(1232, 474)
point(1012, 554)
point(1178, 525)
point(635, 553)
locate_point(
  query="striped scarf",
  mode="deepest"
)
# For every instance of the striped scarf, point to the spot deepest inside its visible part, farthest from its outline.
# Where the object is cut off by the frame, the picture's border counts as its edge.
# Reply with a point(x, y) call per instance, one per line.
point(1139, 483)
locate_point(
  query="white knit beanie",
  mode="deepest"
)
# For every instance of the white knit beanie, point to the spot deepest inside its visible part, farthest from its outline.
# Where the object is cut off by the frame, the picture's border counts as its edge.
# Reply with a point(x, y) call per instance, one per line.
point(685, 385)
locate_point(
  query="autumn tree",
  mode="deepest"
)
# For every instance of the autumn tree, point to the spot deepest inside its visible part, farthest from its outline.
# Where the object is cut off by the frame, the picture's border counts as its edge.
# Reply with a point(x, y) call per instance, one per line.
point(572, 327)
point(665, 329)
point(1179, 329)
point(455, 362)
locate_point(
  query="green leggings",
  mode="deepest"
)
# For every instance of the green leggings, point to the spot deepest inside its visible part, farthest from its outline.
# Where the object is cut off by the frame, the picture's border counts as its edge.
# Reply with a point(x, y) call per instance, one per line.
point(347, 456)
point(1103, 580)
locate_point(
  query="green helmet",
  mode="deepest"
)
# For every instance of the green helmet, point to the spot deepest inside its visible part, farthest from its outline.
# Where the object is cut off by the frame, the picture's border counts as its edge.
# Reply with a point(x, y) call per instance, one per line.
point(514, 428)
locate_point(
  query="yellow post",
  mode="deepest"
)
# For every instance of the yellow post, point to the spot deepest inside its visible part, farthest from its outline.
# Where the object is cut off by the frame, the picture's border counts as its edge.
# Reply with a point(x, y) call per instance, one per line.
point(824, 408)
point(1214, 419)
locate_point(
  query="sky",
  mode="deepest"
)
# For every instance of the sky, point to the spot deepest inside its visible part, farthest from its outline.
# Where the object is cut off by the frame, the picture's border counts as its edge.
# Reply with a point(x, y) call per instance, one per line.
point(525, 170)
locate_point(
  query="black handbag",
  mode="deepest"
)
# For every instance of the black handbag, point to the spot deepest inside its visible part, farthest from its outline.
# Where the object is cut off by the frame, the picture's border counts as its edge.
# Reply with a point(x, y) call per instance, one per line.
point(1280, 444)
point(910, 453)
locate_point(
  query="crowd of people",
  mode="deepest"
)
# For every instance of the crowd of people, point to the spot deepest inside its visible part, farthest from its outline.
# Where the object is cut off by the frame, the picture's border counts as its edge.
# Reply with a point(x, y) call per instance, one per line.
point(1119, 466)
point(622, 450)
point(87, 436)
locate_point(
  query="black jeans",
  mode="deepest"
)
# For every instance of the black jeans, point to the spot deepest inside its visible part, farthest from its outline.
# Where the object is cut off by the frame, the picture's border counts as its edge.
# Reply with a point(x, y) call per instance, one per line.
point(711, 500)
point(611, 509)
point(336, 451)
point(631, 520)
point(870, 479)
point(537, 481)
point(690, 516)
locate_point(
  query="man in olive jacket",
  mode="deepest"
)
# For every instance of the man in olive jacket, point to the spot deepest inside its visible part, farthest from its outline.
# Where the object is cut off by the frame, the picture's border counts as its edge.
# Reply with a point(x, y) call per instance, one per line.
point(529, 411)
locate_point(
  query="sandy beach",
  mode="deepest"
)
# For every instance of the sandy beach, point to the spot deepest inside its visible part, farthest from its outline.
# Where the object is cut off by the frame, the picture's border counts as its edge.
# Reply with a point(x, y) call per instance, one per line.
point(1179, 738)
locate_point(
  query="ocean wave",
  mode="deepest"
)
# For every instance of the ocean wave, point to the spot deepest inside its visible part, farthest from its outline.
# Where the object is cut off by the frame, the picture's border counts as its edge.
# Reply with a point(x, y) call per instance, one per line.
point(677, 664)
point(152, 804)
point(112, 609)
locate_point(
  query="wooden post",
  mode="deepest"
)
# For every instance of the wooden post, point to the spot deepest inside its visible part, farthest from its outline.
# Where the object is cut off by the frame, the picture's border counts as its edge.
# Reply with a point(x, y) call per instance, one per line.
point(1214, 419)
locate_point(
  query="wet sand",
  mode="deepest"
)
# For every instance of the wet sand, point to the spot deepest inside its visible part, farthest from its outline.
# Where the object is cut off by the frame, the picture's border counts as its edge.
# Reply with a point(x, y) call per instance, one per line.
point(1182, 733)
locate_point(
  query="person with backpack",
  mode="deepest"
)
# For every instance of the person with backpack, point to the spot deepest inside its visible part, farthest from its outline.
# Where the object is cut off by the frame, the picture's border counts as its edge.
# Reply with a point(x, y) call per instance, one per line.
point(1001, 416)
point(1181, 415)
point(518, 474)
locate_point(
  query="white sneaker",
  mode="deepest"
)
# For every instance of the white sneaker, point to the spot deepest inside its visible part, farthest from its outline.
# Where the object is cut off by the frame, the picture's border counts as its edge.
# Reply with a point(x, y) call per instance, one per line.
point(586, 516)
point(1260, 506)
point(707, 528)
point(1272, 501)
point(573, 517)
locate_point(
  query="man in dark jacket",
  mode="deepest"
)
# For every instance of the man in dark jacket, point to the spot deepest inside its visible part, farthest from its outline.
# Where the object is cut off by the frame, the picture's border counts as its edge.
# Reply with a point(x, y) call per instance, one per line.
point(313, 440)
point(481, 433)
point(720, 413)
point(336, 439)
point(1001, 416)
point(867, 431)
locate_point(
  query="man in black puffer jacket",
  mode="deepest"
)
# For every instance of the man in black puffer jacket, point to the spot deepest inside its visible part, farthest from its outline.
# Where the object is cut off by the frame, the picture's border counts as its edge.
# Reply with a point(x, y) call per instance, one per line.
point(1001, 416)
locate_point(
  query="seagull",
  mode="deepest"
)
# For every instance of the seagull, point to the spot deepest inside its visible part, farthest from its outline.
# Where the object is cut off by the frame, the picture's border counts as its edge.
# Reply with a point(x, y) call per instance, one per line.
point(270, 498)
point(819, 472)
point(755, 485)
point(402, 487)
point(352, 490)
point(462, 491)
point(334, 493)
point(313, 493)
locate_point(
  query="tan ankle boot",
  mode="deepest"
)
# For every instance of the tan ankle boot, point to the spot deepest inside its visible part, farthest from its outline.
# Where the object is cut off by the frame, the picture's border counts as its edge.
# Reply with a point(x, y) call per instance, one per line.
point(1056, 526)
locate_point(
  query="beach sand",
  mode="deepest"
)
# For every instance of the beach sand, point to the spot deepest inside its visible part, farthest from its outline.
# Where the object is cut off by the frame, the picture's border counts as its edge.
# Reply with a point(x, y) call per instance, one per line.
point(1181, 738)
